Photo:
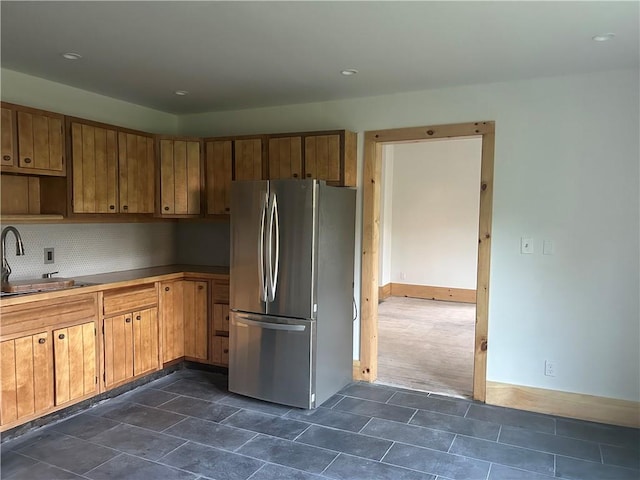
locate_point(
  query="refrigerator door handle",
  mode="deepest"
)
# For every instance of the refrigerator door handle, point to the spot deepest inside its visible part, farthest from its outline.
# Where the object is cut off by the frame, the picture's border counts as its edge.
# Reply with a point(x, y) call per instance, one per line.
point(244, 322)
point(273, 265)
point(263, 282)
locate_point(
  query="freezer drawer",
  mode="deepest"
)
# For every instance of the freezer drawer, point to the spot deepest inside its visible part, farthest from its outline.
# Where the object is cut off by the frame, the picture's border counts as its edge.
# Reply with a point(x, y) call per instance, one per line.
point(271, 358)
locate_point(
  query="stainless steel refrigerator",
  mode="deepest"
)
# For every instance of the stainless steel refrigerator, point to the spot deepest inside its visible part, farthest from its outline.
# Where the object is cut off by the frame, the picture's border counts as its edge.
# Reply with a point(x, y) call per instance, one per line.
point(291, 290)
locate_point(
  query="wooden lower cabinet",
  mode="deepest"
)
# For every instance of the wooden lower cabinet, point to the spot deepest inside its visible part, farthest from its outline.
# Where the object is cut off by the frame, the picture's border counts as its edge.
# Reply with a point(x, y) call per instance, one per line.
point(74, 359)
point(130, 346)
point(220, 337)
point(220, 351)
point(27, 381)
point(196, 319)
point(172, 308)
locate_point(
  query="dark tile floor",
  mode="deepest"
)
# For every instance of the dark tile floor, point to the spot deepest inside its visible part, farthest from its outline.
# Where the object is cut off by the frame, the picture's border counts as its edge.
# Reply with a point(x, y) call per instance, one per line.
point(188, 426)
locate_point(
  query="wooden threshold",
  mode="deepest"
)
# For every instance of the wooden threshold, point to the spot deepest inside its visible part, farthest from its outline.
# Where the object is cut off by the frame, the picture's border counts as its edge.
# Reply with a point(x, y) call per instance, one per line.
point(433, 293)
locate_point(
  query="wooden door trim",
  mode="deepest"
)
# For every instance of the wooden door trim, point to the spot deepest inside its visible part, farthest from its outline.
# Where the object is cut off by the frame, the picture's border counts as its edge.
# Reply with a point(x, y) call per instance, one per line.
point(372, 179)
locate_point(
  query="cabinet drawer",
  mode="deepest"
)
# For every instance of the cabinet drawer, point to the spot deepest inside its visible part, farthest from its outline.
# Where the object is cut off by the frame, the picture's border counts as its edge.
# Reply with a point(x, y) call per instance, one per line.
point(60, 312)
point(130, 298)
point(221, 290)
point(220, 353)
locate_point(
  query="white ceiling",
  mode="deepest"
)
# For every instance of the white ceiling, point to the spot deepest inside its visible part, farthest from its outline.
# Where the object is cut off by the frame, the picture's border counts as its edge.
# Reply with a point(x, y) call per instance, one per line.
point(233, 55)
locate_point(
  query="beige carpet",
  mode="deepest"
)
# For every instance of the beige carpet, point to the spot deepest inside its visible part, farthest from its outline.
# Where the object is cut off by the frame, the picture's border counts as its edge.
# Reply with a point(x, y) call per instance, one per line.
point(426, 345)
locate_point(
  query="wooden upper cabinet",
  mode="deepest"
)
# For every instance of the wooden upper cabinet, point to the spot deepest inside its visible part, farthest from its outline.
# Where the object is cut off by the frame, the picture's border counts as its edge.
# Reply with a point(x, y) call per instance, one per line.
point(75, 367)
point(285, 157)
point(27, 383)
point(32, 141)
point(7, 134)
point(331, 157)
point(40, 141)
point(180, 177)
point(136, 173)
point(218, 176)
point(94, 153)
point(248, 159)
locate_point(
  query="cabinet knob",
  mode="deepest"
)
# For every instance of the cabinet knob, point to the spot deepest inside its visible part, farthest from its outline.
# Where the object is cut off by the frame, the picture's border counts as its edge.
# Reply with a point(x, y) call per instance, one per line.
point(227, 317)
point(112, 207)
point(124, 207)
point(200, 287)
point(128, 320)
point(6, 158)
point(166, 209)
point(166, 289)
point(42, 340)
point(61, 336)
point(226, 350)
point(295, 175)
point(226, 209)
point(138, 317)
point(27, 160)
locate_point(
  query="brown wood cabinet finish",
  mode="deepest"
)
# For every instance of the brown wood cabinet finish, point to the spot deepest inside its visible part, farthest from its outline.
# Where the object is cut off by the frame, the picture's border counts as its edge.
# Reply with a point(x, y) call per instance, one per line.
point(180, 177)
point(94, 152)
point(285, 157)
point(26, 368)
point(136, 173)
point(220, 334)
point(172, 308)
point(196, 319)
point(75, 355)
point(218, 176)
point(7, 134)
point(248, 159)
point(40, 141)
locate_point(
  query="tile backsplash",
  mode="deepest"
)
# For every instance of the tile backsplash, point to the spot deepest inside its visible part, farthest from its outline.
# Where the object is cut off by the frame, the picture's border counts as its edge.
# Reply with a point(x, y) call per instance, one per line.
point(203, 243)
point(85, 249)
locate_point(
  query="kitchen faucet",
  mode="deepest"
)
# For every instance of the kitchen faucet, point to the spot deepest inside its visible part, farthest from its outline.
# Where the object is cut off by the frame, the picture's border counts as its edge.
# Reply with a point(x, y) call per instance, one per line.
point(6, 269)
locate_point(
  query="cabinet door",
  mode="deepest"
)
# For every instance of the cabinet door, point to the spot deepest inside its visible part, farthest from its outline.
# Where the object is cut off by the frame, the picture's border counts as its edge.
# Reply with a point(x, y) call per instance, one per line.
point(219, 172)
point(196, 319)
point(172, 304)
point(180, 177)
point(285, 158)
point(7, 130)
point(137, 173)
point(248, 159)
point(40, 141)
point(220, 354)
point(74, 354)
point(221, 319)
point(95, 169)
point(118, 349)
point(27, 384)
point(145, 341)
point(322, 157)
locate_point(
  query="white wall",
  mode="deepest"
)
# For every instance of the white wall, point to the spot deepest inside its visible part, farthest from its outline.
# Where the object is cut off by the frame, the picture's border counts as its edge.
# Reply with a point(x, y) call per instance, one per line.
point(566, 169)
point(436, 203)
point(386, 217)
point(36, 92)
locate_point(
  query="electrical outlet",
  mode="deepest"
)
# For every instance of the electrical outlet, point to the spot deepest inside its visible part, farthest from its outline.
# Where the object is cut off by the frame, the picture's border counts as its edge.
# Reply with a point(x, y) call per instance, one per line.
point(403, 276)
point(49, 255)
point(549, 368)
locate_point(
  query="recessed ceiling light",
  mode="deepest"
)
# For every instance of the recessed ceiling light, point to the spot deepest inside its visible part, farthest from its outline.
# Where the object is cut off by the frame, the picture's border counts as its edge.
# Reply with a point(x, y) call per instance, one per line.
point(349, 71)
point(71, 56)
point(603, 37)
point(181, 93)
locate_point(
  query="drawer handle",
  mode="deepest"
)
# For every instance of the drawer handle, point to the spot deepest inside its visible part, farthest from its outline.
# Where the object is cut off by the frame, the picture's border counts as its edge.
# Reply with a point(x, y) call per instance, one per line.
point(166, 289)
point(6, 158)
point(27, 160)
point(128, 320)
point(61, 336)
point(112, 207)
point(42, 340)
point(138, 317)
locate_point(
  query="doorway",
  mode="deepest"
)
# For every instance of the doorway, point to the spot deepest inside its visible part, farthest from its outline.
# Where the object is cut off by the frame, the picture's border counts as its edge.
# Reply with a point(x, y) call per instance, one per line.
point(428, 264)
point(367, 367)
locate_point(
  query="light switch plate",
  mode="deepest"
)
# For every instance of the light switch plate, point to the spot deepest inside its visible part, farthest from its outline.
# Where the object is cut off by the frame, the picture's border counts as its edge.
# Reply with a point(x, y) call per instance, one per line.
point(526, 245)
point(547, 247)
